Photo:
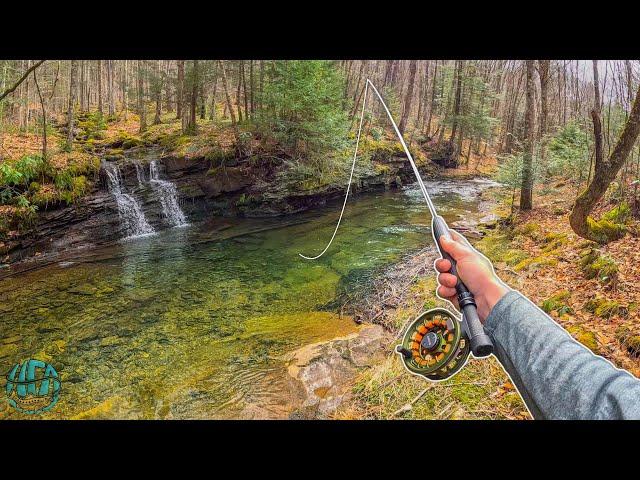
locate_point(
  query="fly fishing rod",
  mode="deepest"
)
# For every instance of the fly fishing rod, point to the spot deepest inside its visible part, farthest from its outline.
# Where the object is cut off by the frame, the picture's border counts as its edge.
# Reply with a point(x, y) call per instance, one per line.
point(434, 345)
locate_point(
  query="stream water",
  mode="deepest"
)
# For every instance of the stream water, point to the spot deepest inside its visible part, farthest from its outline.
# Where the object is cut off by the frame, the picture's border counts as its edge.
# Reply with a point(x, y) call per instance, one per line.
point(193, 322)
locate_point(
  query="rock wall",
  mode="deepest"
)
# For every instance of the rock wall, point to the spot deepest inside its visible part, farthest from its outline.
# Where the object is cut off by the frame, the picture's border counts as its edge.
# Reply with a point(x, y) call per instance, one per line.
point(236, 189)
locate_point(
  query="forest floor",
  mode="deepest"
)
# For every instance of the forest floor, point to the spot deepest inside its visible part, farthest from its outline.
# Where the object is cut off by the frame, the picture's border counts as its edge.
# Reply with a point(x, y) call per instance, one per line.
point(591, 290)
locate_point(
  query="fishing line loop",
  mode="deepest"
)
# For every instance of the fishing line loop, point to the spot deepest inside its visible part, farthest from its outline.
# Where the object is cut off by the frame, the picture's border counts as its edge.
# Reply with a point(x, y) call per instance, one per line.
point(423, 189)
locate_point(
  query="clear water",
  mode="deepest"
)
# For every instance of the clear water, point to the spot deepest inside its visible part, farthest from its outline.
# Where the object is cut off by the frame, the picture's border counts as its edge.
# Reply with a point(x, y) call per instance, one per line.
point(193, 322)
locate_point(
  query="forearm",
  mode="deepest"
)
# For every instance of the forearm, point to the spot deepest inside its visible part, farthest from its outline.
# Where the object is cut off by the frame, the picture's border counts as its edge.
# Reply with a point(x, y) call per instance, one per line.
point(557, 376)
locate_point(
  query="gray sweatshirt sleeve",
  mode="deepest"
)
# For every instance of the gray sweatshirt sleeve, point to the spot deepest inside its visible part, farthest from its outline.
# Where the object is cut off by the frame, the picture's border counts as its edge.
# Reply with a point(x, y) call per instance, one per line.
point(557, 376)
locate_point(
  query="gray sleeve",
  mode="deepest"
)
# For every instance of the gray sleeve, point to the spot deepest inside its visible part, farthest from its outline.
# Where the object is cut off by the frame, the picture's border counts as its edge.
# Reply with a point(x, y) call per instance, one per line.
point(557, 376)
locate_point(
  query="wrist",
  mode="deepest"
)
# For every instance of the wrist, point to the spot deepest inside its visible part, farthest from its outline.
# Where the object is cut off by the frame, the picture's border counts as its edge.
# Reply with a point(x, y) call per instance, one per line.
point(493, 293)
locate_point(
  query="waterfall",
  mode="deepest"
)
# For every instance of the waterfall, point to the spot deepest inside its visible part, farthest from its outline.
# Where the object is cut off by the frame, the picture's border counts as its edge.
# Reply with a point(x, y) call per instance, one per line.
point(139, 172)
point(131, 215)
point(168, 194)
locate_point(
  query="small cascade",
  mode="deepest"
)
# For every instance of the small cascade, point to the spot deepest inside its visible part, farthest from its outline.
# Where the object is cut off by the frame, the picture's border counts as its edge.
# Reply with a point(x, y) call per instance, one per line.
point(131, 215)
point(139, 173)
point(168, 194)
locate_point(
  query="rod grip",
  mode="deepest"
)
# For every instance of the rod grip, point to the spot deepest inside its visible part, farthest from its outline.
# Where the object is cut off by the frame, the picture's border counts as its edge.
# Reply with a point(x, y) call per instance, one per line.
point(481, 344)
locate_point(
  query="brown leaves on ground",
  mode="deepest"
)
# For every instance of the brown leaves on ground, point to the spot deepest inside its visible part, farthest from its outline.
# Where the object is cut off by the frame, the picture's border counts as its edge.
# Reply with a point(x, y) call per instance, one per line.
point(551, 208)
point(17, 145)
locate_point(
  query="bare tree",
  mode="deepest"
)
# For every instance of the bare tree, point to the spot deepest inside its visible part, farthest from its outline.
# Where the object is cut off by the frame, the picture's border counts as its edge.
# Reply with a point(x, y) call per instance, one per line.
point(73, 78)
point(526, 190)
point(408, 97)
point(605, 172)
point(141, 104)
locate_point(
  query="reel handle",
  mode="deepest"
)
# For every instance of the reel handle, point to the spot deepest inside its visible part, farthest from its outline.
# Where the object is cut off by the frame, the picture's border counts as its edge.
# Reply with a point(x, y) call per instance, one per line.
point(481, 344)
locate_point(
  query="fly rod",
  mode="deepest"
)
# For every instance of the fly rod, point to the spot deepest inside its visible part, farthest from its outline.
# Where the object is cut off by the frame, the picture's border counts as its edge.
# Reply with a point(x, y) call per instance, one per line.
point(481, 344)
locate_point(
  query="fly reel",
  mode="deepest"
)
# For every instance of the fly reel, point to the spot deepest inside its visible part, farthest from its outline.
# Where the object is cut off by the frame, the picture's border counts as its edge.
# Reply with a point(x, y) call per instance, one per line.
point(434, 345)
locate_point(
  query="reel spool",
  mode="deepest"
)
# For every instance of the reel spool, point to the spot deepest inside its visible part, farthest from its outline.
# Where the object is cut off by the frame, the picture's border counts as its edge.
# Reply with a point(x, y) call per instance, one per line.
point(435, 345)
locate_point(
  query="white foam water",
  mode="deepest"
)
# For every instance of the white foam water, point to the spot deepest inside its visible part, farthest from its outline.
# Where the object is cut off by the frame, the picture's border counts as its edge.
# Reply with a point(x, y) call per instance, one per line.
point(168, 194)
point(131, 215)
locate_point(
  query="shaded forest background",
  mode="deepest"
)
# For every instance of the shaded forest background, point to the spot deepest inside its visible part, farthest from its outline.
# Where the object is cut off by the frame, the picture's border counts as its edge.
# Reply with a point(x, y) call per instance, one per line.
point(536, 119)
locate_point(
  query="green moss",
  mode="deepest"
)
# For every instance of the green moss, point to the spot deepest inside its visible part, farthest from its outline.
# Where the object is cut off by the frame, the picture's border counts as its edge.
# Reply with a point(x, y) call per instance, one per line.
point(619, 214)
point(585, 337)
point(556, 303)
point(629, 337)
point(529, 229)
point(604, 231)
point(381, 168)
point(604, 308)
point(496, 245)
point(595, 265)
point(553, 241)
point(125, 141)
point(547, 259)
point(91, 126)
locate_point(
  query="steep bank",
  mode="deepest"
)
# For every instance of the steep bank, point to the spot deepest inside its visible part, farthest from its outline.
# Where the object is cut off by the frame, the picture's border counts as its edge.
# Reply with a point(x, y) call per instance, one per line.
point(237, 188)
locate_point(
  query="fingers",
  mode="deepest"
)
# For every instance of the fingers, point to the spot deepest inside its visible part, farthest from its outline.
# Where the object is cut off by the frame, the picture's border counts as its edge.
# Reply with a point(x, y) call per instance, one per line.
point(446, 292)
point(447, 280)
point(457, 249)
point(459, 238)
point(443, 265)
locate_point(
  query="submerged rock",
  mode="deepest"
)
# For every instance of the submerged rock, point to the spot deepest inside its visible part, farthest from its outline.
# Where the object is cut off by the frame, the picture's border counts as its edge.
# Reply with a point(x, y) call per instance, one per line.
point(326, 369)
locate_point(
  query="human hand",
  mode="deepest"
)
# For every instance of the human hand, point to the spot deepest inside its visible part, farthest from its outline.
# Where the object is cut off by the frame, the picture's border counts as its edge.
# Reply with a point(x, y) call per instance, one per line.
point(474, 270)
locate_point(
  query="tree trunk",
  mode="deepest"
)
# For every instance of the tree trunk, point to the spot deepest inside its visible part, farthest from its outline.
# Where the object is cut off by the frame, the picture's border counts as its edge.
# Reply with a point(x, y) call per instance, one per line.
point(212, 111)
point(225, 86)
point(73, 78)
point(83, 86)
point(238, 104)
point(141, 106)
point(110, 94)
point(406, 111)
point(100, 87)
point(526, 190)
point(180, 89)
point(456, 101)
point(44, 118)
point(605, 172)
point(543, 71)
point(193, 104)
point(125, 100)
point(433, 98)
point(158, 93)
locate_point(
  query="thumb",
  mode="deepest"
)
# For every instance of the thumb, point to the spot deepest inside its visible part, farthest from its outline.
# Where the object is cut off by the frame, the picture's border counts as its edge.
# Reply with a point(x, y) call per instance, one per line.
point(454, 248)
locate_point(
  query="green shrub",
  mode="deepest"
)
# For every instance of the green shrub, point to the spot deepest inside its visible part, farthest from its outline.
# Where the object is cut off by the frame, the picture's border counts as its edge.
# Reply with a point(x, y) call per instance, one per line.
point(568, 153)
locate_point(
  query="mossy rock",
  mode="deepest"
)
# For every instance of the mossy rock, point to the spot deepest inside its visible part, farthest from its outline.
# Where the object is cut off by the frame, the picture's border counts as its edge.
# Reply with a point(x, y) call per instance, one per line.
point(585, 337)
point(629, 337)
point(125, 141)
point(529, 229)
point(554, 241)
point(547, 259)
point(497, 246)
point(556, 303)
point(604, 231)
point(595, 265)
point(620, 214)
point(131, 143)
point(604, 308)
